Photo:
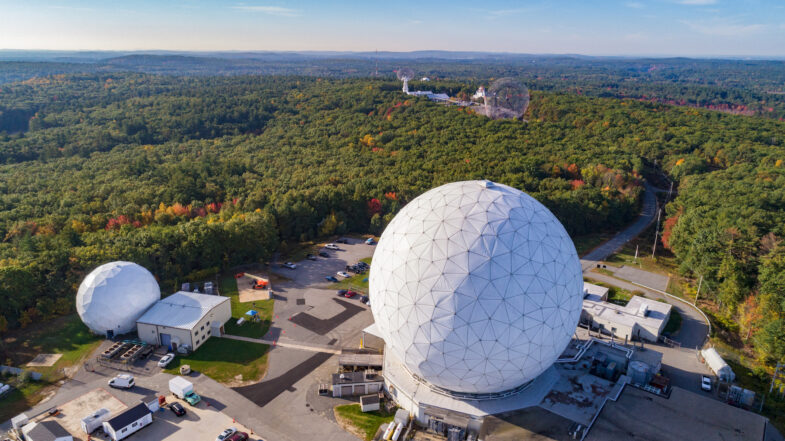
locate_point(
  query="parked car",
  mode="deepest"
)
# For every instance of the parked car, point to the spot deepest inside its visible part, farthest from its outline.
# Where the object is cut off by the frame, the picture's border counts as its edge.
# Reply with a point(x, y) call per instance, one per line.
point(344, 274)
point(332, 246)
point(226, 434)
point(238, 436)
point(342, 240)
point(370, 241)
point(706, 383)
point(349, 294)
point(178, 409)
point(310, 257)
point(290, 265)
point(324, 254)
point(342, 291)
point(331, 279)
point(122, 381)
point(165, 360)
point(365, 299)
point(362, 264)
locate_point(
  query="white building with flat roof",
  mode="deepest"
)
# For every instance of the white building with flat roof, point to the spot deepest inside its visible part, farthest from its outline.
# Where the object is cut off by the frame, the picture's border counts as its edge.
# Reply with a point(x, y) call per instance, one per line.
point(184, 318)
point(640, 319)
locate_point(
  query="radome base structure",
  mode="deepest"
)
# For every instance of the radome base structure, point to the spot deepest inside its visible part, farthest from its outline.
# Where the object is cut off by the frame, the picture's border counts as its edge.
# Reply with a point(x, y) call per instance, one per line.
point(476, 289)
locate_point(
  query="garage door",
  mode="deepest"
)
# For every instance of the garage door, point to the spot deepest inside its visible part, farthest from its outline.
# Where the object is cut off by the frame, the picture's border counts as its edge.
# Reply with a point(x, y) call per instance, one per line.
point(346, 391)
point(166, 340)
point(373, 388)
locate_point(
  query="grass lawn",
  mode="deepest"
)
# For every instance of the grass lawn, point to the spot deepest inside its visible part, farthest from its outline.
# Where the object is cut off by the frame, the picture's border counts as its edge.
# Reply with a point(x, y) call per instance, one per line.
point(255, 329)
point(616, 295)
point(365, 422)
point(674, 322)
point(223, 359)
point(664, 262)
point(586, 243)
point(358, 282)
point(64, 335)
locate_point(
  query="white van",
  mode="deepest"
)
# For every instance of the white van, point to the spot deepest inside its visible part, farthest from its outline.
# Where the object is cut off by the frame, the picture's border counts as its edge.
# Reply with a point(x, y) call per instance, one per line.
point(122, 381)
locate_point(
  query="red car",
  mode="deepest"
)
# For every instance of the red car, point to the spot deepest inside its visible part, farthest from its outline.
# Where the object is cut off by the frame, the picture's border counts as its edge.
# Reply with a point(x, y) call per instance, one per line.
point(349, 294)
point(238, 436)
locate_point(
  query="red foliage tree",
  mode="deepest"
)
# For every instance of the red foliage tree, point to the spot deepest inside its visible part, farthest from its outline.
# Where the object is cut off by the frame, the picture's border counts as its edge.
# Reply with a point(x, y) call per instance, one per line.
point(374, 206)
point(667, 229)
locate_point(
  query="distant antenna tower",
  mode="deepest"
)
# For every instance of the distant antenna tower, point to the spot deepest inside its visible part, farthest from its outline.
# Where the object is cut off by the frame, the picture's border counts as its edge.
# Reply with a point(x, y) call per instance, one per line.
point(405, 74)
point(506, 98)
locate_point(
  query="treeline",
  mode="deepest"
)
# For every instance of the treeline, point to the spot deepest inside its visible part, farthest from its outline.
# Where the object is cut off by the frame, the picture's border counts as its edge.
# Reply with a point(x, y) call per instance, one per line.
point(328, 157)
point(218, 171)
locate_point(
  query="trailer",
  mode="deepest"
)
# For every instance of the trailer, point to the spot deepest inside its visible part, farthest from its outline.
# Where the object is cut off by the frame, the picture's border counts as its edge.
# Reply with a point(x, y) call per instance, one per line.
point(95, 420)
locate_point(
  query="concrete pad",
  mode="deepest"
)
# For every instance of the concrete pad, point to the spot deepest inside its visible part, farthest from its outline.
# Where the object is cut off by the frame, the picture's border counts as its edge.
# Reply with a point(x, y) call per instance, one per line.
point(641, 277)
point(72, 412)
point(248, 294)
point(44, 360)
point(200, 422)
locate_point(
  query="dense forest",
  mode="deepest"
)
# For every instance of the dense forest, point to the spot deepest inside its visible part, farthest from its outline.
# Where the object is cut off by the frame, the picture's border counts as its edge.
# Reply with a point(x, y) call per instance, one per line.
point(191, 175)
point(748, 87)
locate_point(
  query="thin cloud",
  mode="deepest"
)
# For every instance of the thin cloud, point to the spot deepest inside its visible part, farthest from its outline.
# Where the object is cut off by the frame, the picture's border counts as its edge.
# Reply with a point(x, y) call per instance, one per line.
point(724, 29)
point(270, 10)
point(634, 5)
point(507, 12)
point(697, 2)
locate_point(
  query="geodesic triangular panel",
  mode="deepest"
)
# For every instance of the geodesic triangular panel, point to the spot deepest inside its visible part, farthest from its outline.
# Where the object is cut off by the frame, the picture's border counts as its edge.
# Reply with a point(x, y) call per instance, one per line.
point(476, 287)
point(114, 295)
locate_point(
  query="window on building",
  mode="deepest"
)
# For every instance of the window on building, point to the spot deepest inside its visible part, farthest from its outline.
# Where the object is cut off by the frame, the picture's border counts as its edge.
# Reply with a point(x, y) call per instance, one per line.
point(202, 329)
point(209, 332)
point(134, 424)
point(203, 337)
point(196, 333)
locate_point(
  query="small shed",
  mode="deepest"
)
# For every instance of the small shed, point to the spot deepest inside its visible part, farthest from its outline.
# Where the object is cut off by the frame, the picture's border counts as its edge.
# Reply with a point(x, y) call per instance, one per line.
point(718, 365)
point(128, 422)
point(46, 431)
point(151, 401)
point(369, 403)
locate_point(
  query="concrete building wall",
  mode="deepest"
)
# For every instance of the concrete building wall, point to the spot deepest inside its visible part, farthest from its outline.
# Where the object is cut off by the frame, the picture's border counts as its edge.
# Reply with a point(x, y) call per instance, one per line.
point(125, 432)
point(620, 330)
point(153, 334)
point(204, 329)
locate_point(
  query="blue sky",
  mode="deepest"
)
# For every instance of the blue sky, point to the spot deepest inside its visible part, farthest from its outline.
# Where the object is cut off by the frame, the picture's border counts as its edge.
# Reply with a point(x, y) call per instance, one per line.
point(592, 27)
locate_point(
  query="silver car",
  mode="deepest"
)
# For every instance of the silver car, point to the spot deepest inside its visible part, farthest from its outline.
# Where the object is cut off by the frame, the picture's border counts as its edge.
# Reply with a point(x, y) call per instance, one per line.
point(226, 434)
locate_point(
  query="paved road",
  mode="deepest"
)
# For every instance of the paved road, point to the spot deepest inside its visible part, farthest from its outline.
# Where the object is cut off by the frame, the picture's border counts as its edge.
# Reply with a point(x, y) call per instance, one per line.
point(647, 216)
point(694, 329)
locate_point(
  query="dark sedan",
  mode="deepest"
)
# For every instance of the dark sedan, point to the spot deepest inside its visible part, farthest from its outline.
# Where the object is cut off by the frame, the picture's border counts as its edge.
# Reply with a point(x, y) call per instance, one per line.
point(177, 408)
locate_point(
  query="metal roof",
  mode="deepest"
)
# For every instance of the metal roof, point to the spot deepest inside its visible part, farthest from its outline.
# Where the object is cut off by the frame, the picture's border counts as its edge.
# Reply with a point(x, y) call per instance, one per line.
point(181, 310)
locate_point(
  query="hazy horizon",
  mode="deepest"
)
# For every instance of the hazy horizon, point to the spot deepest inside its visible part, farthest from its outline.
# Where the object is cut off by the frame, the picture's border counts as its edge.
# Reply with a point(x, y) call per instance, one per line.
point(654, 28)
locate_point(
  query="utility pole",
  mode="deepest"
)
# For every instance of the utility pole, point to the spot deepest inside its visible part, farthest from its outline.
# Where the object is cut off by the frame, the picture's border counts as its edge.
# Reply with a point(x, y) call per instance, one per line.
point(699, 291)
point(775, 376)
point(669, 192)
point(636, 253)
point(656, 233)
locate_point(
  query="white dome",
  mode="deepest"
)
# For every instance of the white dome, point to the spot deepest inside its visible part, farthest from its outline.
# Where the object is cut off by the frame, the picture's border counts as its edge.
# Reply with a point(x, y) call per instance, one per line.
point(476, 287)
point(114, 295)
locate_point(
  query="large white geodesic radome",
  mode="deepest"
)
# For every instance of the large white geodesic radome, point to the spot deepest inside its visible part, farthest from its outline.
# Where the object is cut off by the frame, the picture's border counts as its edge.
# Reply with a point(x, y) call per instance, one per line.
point(114, 295)
point(476, 287)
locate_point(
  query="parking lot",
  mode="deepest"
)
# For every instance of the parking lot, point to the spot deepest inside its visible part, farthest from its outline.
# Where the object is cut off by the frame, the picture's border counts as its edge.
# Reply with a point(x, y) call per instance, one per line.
point(307, 310)
point(199, 422)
